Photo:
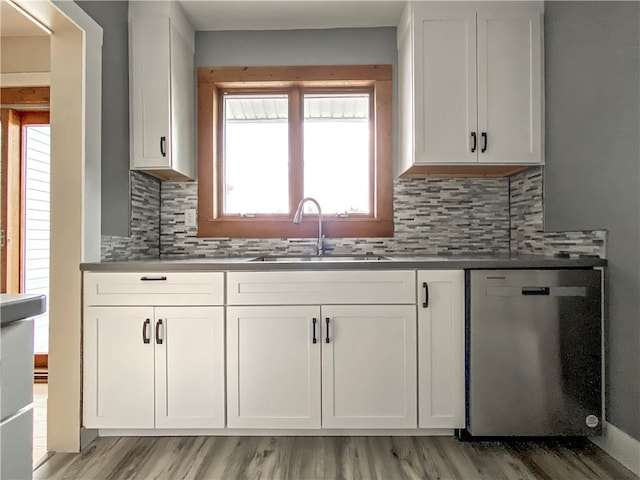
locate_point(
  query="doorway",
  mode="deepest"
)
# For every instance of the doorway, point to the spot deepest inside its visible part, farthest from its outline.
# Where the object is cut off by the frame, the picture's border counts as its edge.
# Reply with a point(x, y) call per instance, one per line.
point(25, 199)
point(25, 172)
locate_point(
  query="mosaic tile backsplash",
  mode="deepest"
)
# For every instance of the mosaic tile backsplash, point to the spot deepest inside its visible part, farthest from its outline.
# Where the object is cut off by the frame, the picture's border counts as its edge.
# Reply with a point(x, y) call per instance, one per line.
point(144, 241)
point(437, 216)
point(527, 235)
point(432, 217)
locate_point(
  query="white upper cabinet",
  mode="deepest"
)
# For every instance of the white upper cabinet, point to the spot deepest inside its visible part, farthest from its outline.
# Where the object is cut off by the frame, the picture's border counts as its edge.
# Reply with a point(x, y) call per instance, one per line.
point(470, 84)
point(162, 45)
point(510, 84)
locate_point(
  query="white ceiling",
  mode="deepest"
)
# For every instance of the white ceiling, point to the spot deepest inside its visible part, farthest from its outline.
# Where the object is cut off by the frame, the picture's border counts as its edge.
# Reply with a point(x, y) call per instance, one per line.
point(290, 14)
point(15, 24)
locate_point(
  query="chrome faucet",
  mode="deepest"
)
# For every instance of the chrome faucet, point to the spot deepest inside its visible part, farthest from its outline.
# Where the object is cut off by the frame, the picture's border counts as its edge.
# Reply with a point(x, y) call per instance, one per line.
point(297, 219)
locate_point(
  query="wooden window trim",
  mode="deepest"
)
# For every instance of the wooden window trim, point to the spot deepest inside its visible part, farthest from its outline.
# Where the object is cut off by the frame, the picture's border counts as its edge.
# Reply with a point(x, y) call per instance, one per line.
point(32, 96)
point(211, 80)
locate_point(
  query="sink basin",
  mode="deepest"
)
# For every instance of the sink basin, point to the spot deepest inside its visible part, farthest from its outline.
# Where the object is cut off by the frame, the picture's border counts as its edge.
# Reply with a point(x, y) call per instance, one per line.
point(333, 258)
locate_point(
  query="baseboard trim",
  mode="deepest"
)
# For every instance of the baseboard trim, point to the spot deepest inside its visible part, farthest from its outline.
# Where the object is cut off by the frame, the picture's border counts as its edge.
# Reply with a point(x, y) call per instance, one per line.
point(87, 435)
point(621, 446)
point(226, 432)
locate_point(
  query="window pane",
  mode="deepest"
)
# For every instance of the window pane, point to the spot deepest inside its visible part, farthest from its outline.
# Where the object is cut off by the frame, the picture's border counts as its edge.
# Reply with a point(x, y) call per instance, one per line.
point(256, 154)
point(336, 152)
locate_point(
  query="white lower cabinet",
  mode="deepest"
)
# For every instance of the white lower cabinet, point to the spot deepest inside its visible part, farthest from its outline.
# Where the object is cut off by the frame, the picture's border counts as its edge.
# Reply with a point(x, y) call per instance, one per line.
point(147, 367)
point(441, 389)
point(370, 350)
point(369, 366)
point(189, 367)
point(363, 361)
point(273, 367)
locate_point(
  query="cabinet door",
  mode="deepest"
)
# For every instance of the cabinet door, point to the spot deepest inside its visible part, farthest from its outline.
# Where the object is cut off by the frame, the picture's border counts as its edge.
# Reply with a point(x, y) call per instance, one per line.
point(369, 366)
point(150, 92)
point(182, 105)
point(118, 367)
point(441, 349)
point(445, 84)
point(510, 84)
point(189, 367)
point(273, 367)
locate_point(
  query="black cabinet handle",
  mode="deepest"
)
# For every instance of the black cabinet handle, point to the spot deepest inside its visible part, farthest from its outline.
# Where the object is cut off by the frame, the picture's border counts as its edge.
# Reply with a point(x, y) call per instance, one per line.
point(315, 340)
point(425, 285)
point(145, 336)
point(158, 325)
point(153, 279)
point(536, 291)
point(484, 142)
point(327, 339)
point(474, 136)
point(163, 146)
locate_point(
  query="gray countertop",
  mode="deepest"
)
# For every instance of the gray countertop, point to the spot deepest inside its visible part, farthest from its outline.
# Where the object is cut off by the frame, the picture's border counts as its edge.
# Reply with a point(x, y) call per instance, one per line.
point(393, 263)
point(14, 307)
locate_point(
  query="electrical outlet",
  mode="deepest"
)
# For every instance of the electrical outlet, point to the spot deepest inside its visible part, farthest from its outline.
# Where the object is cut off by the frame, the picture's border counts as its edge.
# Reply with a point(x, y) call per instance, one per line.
point(190, 217)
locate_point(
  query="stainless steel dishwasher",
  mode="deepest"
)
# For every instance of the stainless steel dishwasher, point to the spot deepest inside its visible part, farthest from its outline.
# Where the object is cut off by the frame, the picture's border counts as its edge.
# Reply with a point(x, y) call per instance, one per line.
point(534, 352)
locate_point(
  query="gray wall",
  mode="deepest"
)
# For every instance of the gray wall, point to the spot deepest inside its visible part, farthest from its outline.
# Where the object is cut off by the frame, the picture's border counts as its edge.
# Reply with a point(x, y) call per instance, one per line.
point(112, 16)
point(297, 47)
point(592, 173)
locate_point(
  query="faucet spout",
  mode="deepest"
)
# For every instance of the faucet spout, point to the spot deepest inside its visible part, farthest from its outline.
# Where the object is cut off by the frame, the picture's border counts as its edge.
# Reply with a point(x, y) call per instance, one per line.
point(297, 219)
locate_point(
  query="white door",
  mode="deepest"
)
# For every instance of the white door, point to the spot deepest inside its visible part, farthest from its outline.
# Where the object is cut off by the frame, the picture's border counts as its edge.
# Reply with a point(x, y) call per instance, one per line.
point(445, 96)
point(369, 366)
point(189, 367)
point(509, 85)
point(150, 92)
point(441, 349)
point(36, 229)
point(273, 367)
point(118, 367)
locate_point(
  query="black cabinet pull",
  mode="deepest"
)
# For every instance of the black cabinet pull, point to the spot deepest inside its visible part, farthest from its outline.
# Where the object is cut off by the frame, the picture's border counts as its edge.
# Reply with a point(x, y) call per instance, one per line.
point(484, 142)
point(425, 285)
point(536, 291)
point(163, 146)
point(474, 136)
point(158, 325)
point(153, 279)
point(327, 339)
point(315, 340)
point(145, 336)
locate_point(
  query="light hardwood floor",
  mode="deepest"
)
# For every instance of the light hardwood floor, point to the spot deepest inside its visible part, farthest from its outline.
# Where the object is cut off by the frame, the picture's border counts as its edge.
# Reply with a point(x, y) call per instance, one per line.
point(40, 393)
point(299, 458)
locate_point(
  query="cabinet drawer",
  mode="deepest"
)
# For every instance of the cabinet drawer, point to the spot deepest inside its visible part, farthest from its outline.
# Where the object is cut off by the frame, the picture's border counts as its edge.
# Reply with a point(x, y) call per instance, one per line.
point(202, 288)
point(16, 438)
point(323, 287)
point(16, 367)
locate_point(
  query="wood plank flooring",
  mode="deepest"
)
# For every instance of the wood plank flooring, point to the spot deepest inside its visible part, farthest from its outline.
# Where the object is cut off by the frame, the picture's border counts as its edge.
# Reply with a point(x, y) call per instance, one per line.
point(300, 458)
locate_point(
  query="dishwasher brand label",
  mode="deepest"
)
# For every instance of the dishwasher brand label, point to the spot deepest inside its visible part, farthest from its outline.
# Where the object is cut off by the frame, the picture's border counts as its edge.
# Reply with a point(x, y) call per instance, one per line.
point(591, 421)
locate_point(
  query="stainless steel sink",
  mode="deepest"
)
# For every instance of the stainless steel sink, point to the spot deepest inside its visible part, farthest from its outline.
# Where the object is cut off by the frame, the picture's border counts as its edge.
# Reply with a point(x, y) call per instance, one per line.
point(332, 258)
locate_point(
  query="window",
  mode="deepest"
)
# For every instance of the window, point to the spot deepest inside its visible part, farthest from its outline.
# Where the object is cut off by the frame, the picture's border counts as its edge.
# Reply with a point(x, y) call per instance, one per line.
point(270, 136)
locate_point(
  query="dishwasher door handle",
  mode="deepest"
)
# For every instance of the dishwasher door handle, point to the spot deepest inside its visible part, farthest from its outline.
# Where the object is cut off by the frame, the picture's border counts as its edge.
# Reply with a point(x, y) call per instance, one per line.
point(536, 290)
